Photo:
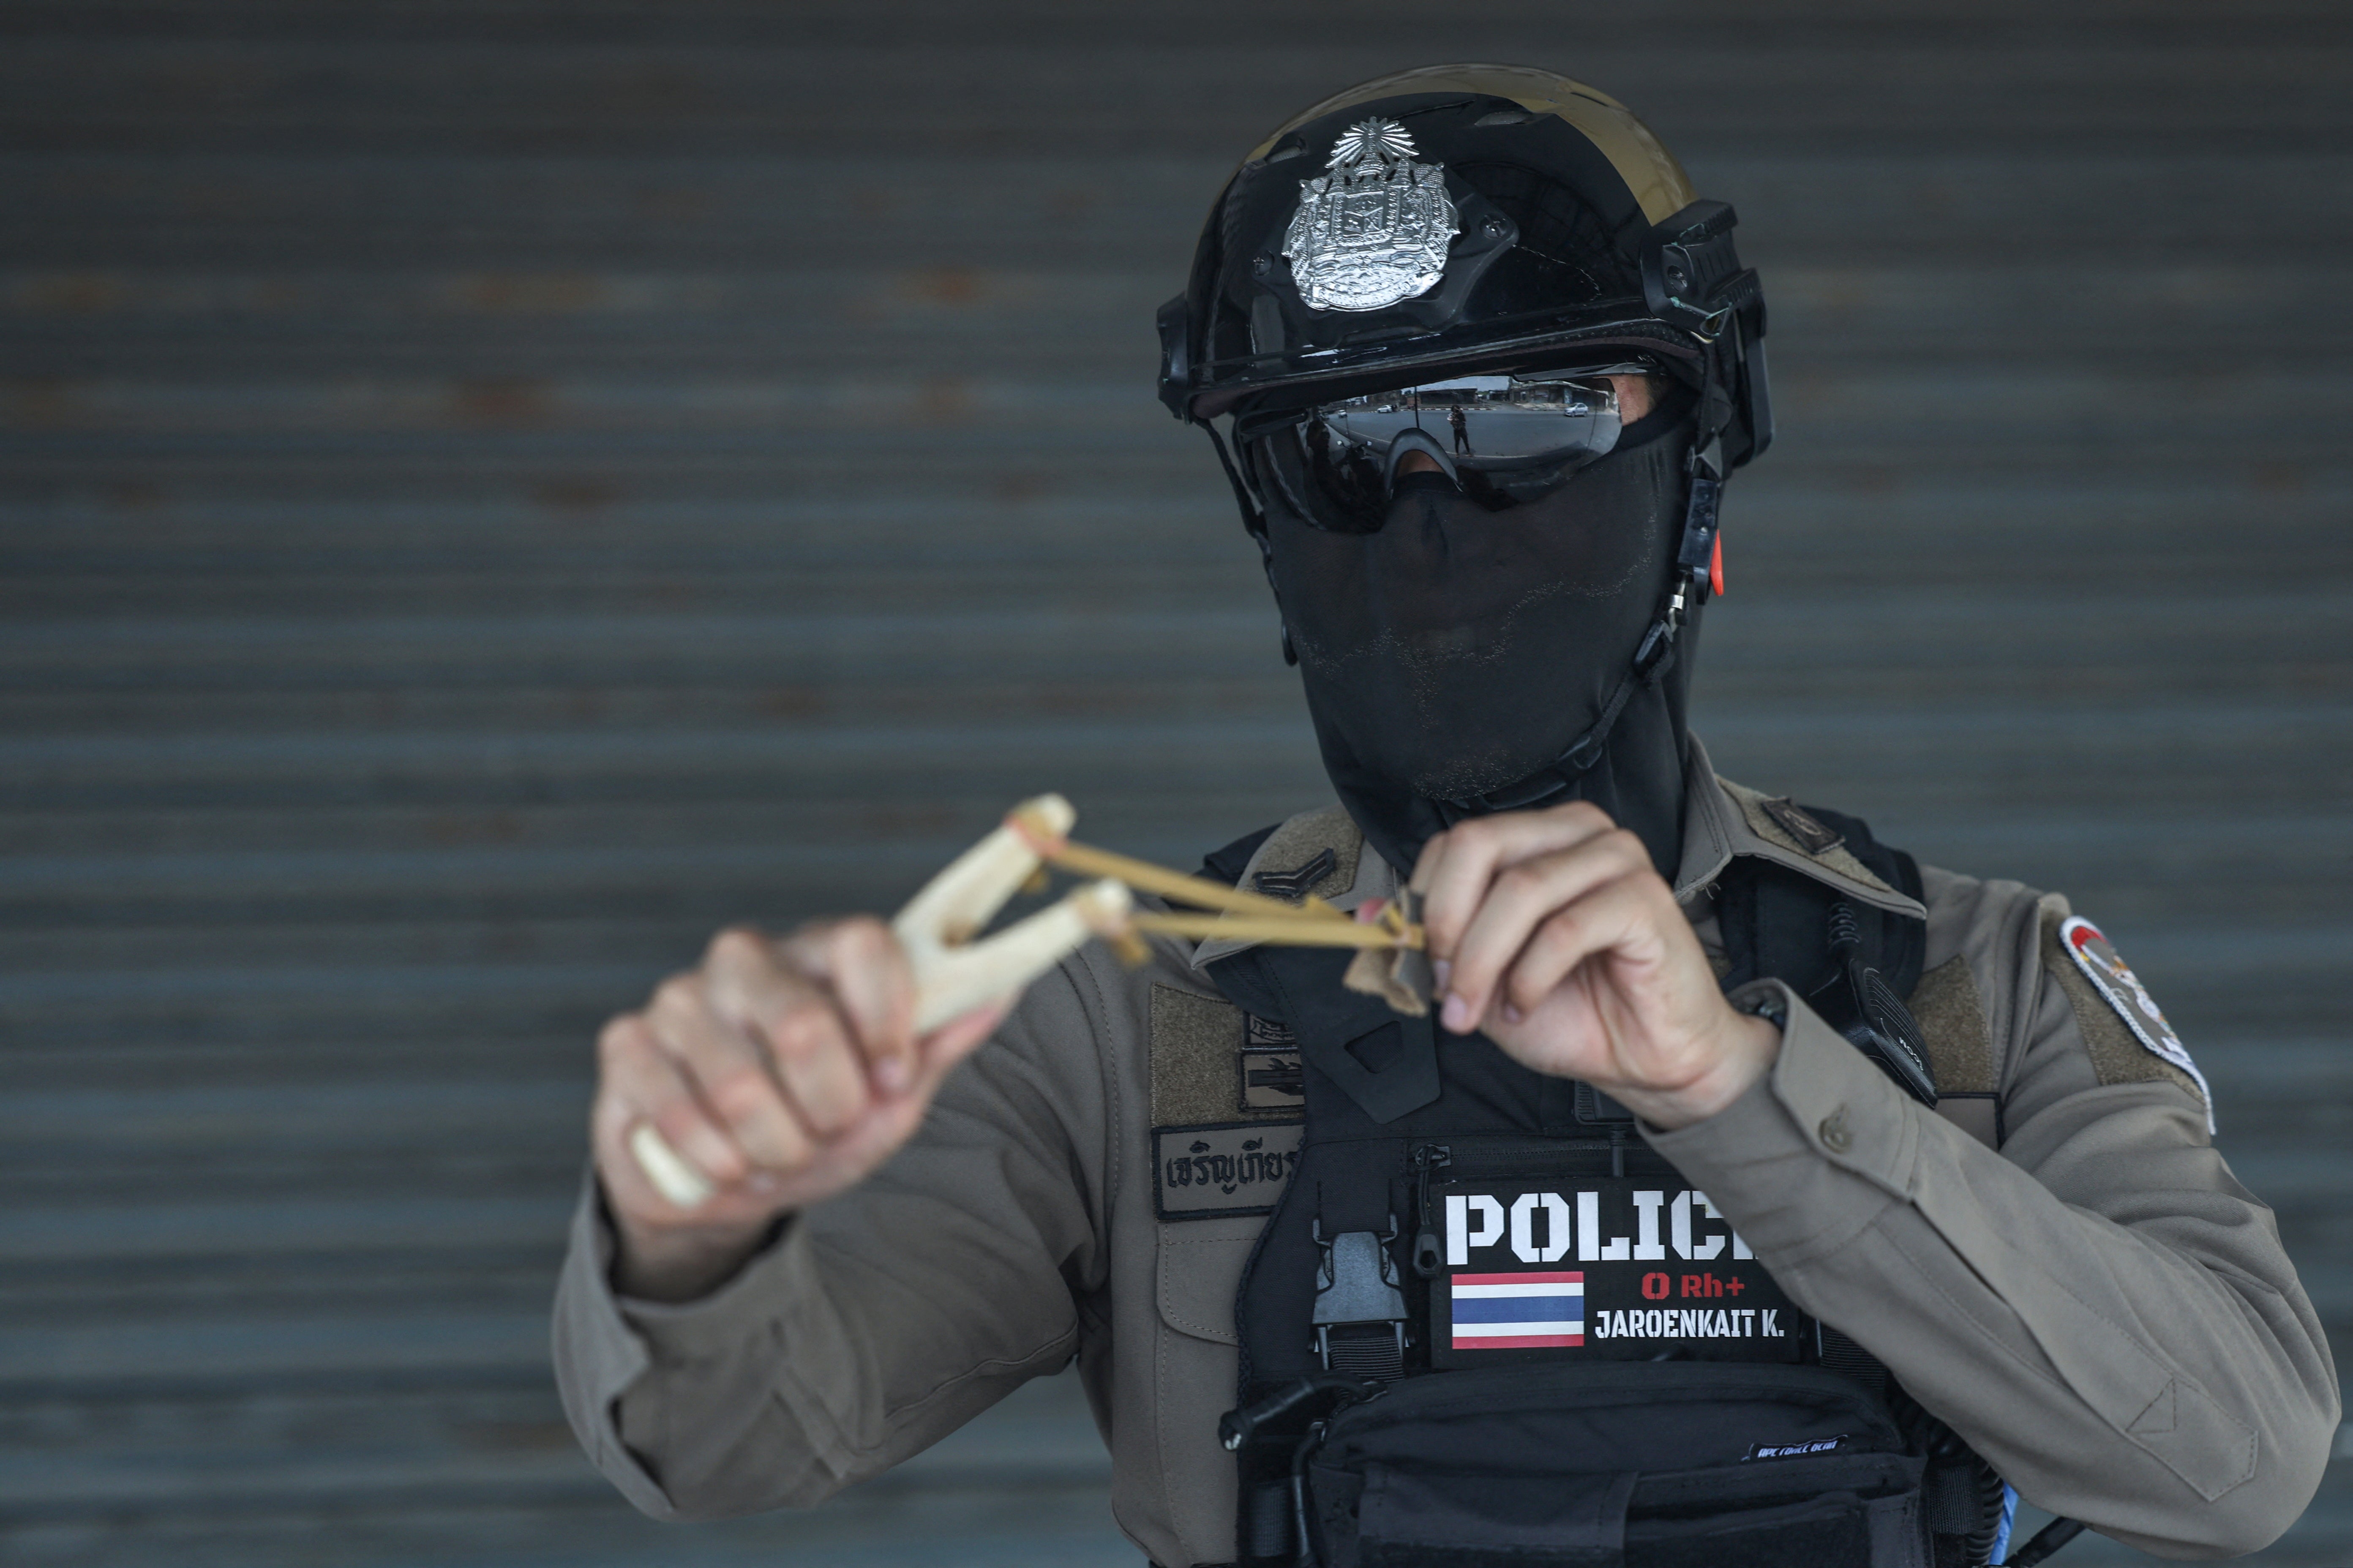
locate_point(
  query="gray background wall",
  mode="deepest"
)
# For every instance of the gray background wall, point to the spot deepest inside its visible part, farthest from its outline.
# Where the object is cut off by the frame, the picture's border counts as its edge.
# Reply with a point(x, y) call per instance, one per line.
point(489, 490)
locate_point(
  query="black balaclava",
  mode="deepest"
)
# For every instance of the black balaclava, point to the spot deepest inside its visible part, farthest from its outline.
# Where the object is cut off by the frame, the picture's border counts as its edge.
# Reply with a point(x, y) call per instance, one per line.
point(1456, 651)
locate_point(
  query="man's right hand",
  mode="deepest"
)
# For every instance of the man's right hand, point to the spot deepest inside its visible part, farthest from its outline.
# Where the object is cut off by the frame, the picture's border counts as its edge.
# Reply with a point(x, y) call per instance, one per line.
point(783, 1069)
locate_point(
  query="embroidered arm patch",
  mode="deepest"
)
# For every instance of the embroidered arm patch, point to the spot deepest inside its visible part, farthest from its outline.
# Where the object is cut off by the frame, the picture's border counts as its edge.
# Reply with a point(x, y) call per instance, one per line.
point(2096, 958)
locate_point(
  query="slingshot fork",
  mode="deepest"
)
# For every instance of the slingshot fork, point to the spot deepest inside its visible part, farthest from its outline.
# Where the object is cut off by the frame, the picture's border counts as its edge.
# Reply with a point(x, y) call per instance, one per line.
point(953, 973)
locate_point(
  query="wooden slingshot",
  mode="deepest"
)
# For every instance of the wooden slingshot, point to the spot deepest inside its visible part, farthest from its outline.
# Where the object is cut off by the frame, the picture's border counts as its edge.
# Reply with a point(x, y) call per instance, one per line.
point(956, 974)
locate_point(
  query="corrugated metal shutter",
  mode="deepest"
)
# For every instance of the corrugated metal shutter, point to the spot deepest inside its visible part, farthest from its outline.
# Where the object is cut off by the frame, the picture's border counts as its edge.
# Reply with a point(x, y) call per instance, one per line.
point(489, 491)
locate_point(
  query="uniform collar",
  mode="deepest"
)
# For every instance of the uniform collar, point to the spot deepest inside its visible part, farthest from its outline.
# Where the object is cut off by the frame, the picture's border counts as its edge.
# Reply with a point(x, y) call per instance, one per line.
point(1721, 819)
point(1358, 876)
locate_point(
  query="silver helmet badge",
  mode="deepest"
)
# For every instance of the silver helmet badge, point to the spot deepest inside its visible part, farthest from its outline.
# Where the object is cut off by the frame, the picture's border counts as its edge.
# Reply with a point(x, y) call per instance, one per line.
point(1375, 228)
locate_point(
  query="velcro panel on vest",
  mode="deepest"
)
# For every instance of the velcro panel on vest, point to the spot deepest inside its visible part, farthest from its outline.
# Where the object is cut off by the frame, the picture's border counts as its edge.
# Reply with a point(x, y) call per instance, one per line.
point(1215, 1154)
point(1194, 1041)
point(1952, 1019)
point(1197, 1046)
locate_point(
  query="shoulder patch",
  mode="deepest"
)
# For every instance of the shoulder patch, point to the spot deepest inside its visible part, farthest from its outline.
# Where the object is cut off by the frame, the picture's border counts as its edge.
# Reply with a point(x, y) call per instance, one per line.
point(2090, 969)
point(1801, 824)
point(1314, 853)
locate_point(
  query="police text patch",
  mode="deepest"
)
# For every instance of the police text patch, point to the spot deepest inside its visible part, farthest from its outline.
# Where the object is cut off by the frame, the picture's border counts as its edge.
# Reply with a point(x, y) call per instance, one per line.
point(1611, 1267)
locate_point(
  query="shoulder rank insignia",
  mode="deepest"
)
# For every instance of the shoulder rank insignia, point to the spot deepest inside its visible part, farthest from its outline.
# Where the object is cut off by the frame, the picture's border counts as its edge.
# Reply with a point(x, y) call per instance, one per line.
point(2113, 979)
point(1375, 228)
point(1801, 824)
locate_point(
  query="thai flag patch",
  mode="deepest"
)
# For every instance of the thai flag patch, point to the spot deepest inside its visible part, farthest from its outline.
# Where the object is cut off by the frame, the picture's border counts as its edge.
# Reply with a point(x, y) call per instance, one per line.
point(1518, 1311)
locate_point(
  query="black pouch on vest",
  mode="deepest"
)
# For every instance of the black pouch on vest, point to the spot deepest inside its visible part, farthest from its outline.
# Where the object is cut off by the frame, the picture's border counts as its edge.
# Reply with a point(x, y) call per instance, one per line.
point(1615, 1466)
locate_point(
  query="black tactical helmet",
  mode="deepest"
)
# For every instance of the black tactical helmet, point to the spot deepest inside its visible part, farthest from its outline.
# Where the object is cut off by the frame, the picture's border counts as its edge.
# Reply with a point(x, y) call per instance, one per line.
point(1460, 219)
point(1466, 263)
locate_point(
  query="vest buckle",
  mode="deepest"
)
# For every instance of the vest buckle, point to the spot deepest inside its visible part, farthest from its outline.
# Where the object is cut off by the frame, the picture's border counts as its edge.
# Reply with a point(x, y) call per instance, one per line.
point(1360, 1309)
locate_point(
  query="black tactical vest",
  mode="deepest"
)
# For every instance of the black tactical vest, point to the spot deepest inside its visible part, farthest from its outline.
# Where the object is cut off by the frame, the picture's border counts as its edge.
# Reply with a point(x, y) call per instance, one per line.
point(1486, 1325)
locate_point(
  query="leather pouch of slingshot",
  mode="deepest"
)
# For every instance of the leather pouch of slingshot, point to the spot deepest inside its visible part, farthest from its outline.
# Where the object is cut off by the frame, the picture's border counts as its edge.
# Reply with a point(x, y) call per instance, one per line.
point(1486, 1325)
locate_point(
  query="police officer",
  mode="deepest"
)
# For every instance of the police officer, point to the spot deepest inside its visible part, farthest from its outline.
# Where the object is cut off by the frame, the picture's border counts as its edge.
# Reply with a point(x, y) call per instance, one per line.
point(1753, 1193)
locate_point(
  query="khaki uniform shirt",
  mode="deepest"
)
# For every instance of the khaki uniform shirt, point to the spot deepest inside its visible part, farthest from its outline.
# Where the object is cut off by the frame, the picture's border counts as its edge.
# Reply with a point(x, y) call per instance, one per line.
point(2055, 1260)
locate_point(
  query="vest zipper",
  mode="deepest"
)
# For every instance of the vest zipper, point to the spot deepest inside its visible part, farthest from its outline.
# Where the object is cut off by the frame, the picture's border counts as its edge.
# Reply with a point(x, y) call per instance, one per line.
point(1464, 1157)
point(1427, 1159)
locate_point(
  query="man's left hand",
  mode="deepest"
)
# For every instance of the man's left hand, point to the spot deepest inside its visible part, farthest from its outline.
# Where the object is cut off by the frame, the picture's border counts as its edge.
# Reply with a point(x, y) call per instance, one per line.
point(1553, 933)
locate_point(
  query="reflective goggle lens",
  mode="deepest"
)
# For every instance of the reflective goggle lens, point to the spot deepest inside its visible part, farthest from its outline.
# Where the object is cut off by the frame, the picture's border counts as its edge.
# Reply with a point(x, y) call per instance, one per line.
point(1485, 421)
point(1503, 439)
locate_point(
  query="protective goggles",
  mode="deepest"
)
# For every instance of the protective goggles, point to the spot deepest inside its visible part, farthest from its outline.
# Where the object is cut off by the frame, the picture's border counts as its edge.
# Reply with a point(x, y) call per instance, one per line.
point(1501, 439)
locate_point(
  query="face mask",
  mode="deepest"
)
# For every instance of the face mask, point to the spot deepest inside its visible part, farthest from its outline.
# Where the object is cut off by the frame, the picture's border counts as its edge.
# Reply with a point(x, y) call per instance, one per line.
point(1461, 645)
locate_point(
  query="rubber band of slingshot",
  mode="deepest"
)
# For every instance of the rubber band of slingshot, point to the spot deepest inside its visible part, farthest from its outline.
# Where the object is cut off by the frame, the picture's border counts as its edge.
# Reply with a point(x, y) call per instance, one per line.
point(1022, 823)
point(1084, 859)
point(1314, 922)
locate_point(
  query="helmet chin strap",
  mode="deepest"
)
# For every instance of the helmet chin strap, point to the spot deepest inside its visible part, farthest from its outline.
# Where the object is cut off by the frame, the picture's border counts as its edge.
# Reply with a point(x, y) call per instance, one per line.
point(1654, 655)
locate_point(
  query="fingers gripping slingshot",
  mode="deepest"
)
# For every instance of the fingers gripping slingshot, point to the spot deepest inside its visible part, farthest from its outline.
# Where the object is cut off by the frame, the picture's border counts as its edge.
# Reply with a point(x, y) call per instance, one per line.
point(957, 970)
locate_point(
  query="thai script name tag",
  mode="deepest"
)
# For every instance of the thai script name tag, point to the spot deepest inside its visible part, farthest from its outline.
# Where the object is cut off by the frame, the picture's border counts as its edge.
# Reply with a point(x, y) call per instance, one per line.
point(1228, 1168)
